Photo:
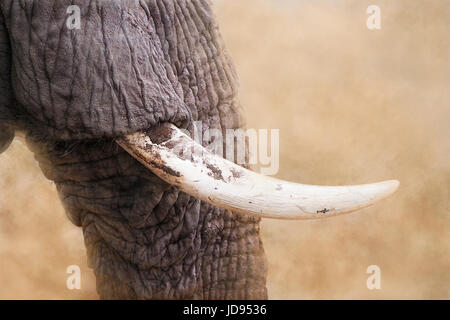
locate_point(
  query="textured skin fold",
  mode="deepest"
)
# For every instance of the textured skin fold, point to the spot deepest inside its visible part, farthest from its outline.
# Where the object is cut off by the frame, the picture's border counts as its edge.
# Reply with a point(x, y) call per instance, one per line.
point(103, 80)
point(6, 96)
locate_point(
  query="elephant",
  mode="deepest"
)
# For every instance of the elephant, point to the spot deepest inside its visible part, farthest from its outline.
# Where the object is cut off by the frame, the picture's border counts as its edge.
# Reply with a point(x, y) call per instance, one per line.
point(104, 106)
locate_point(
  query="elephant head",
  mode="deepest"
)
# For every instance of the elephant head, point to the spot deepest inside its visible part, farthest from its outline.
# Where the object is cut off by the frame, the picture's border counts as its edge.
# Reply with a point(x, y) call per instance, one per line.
point(106, 108)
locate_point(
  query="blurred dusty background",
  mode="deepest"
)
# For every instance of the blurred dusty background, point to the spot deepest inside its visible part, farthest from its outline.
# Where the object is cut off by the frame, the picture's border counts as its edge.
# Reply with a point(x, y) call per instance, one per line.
point(353, 106)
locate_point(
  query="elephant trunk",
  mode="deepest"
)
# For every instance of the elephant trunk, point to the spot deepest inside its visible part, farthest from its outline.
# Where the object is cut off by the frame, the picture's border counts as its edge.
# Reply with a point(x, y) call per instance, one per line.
point(146, 239)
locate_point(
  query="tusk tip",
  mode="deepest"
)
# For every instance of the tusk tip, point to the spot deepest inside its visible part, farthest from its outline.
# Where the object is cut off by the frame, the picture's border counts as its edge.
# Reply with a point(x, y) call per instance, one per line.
point(394, 184)
point(389, 187)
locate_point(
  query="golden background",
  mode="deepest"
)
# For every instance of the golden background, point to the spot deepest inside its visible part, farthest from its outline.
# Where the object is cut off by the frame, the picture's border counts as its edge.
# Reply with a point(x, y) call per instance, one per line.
point(352, 105)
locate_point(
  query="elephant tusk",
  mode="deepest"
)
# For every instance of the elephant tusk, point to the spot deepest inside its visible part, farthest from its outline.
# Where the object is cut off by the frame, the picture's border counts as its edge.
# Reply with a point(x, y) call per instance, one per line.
point(224, 184)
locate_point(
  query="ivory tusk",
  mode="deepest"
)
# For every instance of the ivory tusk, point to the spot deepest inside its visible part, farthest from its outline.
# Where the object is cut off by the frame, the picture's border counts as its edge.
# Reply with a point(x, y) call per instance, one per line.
point(224, 184)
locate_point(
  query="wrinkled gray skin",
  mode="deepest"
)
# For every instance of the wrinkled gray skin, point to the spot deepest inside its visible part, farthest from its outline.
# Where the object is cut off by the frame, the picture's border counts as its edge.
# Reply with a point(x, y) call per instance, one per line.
point(131, 66)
